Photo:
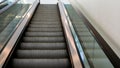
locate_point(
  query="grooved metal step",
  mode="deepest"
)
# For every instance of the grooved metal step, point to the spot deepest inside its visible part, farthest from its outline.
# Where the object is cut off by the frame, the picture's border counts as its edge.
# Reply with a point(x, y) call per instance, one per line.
point(44, 29)
point(41, 63)
point(95, 53)
point(90, 45)
point(101, 63)
point(43, 34)
point(43, 39)
point(43, 44)
point(44, 25)
point(41, 54)
point(45, 17)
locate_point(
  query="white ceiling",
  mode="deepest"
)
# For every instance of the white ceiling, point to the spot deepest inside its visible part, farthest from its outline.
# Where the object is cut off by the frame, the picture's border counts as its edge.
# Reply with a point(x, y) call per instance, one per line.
point(48, 1)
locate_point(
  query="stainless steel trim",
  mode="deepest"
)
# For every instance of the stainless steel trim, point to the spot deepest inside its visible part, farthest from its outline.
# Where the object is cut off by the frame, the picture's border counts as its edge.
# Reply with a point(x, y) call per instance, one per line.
point(78, 44)
point(6, 51)
point(70, 40)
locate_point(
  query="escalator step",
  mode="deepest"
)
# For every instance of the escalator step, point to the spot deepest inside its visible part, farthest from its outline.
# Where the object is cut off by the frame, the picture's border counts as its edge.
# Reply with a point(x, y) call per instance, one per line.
point(91, 45)
point(80, 26)
point(44, 29)
point(43, 39)
point(101, 63)
point(84, 34)
point(41, 63)
point(46, 17)
point(36, 34)
point(95, 53)
point(48, 12)
point(41, 54)
point(82, 30)
point(42, 46)
point(45, 20)
point(51, 9)
point(87, 39)
point(44, 25)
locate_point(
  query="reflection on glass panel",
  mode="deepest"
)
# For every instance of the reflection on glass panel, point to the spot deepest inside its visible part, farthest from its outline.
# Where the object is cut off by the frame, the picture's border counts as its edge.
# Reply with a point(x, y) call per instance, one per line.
point(65, 1)
point(27, 1)
point(92, 50)
point(94, 53)
point(3, 3)
point(9, 20)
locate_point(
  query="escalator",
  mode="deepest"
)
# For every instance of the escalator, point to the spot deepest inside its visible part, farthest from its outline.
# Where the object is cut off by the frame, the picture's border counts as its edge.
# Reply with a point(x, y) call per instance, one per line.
point(92, 49)
point(54, 36)
point(43, 44)
point(95, 55)
point(95, 48)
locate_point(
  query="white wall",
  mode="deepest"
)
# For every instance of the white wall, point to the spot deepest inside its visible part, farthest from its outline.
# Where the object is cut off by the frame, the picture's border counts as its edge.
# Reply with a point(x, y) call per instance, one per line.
point(104, 15)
